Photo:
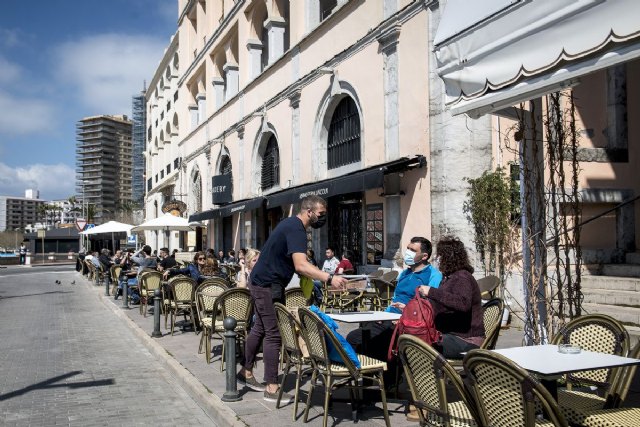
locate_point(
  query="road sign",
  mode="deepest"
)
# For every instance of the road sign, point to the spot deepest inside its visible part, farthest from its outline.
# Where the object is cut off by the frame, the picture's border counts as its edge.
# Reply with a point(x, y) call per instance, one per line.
point(80, 223)
point(132, 240)
point(90, 226)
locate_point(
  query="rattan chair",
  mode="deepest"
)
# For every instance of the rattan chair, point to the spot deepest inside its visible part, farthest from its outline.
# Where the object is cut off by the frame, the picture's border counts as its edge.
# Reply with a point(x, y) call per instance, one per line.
point(115, 277)
point(294, 298)
point(91, 270)
point(234, 303)
point(488, 286)
point(206, 295)
point(390, 276)
point(590, 409)
point(377, 273)
point(428, 374)
point(181, 299)
point(334, 374)
point(291, 332)
point(149, 282)
point(383, 292)
point(505, 395)
point(594, 332)
point(491, 319)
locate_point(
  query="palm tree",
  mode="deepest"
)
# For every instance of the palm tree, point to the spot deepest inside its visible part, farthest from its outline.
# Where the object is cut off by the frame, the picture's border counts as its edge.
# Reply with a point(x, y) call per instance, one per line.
point(91, 213)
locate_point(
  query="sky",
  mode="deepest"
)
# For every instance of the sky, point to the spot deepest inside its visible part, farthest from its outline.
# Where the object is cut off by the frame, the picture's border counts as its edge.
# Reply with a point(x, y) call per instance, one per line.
point(60, 61)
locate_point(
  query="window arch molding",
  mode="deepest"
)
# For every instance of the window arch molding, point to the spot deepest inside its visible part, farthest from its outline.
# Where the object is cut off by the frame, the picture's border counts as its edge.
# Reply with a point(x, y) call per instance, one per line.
point(195, 190)
point(261, 141)
point(224, 165)
point(330, 100)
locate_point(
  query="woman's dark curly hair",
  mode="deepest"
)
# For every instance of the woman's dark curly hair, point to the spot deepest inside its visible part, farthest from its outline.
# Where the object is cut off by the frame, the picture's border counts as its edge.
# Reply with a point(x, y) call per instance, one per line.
point(453, 256)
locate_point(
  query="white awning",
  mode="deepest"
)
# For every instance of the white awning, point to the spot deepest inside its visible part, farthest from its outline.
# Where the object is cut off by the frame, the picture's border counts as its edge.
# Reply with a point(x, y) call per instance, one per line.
point(509, 50)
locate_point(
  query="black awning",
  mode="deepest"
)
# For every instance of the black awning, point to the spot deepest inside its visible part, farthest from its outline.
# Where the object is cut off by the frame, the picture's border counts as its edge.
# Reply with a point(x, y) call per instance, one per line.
point(359, 181)
point(227, 210)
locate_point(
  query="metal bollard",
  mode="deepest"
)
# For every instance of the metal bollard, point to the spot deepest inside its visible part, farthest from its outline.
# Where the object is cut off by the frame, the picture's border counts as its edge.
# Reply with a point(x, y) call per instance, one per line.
point(231, 394)
point(107, 283)
point(125, 294)
point(156, 314)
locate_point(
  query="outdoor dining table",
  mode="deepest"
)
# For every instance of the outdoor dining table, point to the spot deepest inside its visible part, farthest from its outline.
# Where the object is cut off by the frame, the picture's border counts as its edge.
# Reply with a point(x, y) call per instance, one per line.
point(550, 365)
point(364, 317)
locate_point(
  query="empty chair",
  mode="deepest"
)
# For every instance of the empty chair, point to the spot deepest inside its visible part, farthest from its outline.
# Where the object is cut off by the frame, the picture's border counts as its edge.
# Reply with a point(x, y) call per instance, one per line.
point(383, 293)
point(206, 295)
point(428, 374)
point(488, 286)
point(291, 334)
point(235, 303)
point(505, 395)
point(115, 276)
point(594, 332)
point(149, 282)
point(181, 300)
point(336, 374)
point(390, 276)
point(294, 298)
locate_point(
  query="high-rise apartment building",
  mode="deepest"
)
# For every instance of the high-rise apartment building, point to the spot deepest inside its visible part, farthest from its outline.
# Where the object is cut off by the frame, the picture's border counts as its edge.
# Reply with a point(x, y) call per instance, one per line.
point(139, 120)
point(104, 165)
point(18, 212)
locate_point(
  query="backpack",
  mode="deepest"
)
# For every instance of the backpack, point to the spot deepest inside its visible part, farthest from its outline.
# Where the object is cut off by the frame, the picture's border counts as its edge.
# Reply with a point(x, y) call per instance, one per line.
point(418, 320)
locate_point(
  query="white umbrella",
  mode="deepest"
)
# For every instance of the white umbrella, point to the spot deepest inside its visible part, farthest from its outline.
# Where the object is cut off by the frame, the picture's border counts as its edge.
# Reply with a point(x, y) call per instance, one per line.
point(166, 222)
point(110, 227)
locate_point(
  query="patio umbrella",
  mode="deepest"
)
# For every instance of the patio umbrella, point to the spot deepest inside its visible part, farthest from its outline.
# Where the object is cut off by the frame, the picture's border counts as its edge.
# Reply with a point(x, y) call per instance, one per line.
point(110, 227)
point(166, 223)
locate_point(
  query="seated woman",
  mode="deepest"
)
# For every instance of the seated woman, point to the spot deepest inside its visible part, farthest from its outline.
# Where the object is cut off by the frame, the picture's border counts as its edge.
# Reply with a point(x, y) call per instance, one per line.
point(192, 270)
point(246, 265)
point(456, 302)
point(212, 269)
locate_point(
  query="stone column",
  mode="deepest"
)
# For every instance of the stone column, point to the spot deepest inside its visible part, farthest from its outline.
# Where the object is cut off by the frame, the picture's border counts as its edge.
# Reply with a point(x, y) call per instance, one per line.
point(231, 79)
point(294, 103)
point(388, 44)
point(255, 54)
point(201, 100)
point(392, 218)
point(389, 8)
point(193, 114)
point(239, 175)
point(218, 90)
point(312, 15)
point(276, 27)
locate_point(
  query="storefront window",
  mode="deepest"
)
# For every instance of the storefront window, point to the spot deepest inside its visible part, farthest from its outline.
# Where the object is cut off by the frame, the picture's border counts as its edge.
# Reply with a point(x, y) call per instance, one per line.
point(375, 234)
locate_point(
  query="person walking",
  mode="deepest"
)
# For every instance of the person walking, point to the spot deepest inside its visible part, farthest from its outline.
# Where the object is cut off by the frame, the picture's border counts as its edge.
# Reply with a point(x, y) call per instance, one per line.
point(284, 254)
point(23, 254)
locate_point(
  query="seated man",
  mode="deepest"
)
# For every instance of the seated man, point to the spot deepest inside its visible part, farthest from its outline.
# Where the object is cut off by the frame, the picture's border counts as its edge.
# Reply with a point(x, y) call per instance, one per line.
point(345, 264)
point(419, 272)
point(166, 262)
point(329, 266)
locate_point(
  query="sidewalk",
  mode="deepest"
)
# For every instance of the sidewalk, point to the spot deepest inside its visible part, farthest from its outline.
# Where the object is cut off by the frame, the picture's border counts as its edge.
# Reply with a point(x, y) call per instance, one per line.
point(206, 383)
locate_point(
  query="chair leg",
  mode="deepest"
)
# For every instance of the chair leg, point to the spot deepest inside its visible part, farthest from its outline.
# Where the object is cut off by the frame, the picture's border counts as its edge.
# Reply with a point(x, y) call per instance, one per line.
point(384, 399)
point(201, 344)
point(297, 391)
point(327, 396)
point(173, 321)
point(284, 377)
point(207, 344)
point(311, 385)
point(222, 356)
point(354, 405)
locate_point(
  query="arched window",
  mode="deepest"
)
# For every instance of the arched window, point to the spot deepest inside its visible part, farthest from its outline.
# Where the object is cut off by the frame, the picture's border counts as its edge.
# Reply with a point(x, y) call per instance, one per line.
point(196, 192)
point(343, 145)
point(270, 165)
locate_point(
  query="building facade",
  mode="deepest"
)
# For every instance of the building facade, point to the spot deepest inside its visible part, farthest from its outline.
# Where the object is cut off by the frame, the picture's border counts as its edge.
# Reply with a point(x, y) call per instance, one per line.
point(259, 103)
point(17, 213)
point(104, 165)
point(139, 126)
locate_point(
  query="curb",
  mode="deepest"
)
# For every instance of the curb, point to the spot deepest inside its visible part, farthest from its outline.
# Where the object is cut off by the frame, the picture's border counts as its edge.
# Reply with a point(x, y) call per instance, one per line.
point(215, 408)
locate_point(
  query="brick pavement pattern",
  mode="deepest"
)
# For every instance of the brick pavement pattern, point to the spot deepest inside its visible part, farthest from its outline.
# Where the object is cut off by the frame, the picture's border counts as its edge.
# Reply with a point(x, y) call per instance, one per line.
point(65, 359)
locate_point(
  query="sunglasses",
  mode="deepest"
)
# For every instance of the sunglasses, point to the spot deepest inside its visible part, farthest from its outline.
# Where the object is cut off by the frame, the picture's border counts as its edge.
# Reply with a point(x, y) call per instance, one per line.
point(201, 259)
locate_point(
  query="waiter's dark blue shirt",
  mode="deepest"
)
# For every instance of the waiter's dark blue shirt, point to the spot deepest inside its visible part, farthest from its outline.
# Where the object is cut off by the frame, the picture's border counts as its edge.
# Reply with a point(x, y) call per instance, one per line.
point(275, 265)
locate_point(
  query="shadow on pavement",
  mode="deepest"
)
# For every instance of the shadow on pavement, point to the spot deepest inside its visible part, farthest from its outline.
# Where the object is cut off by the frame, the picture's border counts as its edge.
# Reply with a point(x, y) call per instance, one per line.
point(51, 383)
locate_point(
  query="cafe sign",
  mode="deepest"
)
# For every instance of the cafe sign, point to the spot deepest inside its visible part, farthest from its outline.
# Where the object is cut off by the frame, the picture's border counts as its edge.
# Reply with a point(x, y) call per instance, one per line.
point(174, 207)
point(221, 189)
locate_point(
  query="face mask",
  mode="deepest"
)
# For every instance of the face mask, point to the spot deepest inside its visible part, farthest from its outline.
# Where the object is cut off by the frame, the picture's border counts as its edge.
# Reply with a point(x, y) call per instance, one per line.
point(319, 222)
point(409, 257)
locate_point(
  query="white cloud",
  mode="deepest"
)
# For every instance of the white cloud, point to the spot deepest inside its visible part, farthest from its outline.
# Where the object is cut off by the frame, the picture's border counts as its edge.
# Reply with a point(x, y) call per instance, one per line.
point(23, 115)
point(9, 71)
point(9, 38)
point(107, 70)
point(53, 181)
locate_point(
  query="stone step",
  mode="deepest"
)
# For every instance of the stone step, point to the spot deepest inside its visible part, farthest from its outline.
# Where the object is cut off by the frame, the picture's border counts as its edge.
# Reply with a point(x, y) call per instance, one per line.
point(633, 258)
point(612, 297)
point(621, 270)
point(589, 282)
point(625, 315)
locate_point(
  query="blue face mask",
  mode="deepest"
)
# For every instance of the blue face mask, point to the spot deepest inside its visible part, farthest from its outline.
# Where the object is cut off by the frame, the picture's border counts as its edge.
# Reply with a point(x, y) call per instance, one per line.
point(409, 257)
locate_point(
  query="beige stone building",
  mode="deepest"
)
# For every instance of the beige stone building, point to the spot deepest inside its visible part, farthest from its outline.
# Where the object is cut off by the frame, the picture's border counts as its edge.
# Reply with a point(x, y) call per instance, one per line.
point(256, 104)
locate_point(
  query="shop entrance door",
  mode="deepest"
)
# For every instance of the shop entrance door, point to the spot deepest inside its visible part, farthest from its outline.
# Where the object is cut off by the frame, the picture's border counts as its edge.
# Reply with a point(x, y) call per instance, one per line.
point(345, 225)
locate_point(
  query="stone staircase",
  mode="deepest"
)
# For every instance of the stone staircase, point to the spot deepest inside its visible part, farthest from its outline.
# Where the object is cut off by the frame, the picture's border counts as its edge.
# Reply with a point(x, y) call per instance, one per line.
point(616, 292)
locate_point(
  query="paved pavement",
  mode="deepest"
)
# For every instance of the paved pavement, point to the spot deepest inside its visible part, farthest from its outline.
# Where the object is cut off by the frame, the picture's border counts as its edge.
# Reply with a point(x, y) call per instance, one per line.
point(65, 359)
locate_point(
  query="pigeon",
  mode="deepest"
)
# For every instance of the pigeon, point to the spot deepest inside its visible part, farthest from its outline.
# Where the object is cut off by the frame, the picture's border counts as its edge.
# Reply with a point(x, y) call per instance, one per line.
point(58, 282)
point(73, 283)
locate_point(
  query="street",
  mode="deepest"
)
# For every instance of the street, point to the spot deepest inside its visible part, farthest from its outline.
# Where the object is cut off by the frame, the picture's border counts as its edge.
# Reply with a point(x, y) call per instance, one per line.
point(65, 359)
